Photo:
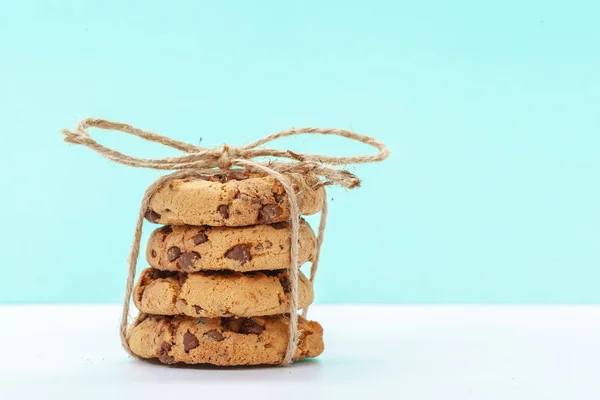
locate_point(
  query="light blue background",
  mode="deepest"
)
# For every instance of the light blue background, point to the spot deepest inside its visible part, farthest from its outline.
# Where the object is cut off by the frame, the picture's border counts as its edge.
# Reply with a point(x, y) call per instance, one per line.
point(491, 111)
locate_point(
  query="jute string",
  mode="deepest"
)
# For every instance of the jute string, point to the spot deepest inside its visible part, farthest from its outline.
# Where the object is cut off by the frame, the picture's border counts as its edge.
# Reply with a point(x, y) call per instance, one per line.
point(200, 161)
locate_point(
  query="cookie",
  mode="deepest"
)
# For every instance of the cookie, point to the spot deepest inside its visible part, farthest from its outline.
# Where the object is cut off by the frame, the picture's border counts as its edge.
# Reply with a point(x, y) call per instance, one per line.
point(218, 294)
point(221, 341)
point(251, 248)
point(232, 198)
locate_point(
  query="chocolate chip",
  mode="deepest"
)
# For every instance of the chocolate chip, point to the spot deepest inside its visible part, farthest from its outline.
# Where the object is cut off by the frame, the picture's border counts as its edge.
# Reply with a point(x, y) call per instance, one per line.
point(188, 260)
point(285, 284)
point(173, 253)
point(280, 225)
point(240, 253)
point(224, 210)
point(269, 213)
point(197, 309)
point(170, 186)
point(152, 215)
point(153, 253)
point(251, 326)
point(200, 238)
point(166, 229)
point(163, 353)
point(190, 341)
point(215, 335)
point(242, 325)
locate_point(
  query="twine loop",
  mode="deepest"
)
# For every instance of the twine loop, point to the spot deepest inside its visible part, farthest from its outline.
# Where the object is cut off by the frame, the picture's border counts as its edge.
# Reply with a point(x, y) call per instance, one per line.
point(201, 161)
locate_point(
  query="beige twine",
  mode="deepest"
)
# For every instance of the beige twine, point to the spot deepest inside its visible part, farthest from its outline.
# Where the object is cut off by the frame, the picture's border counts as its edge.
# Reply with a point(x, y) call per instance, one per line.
point(202, 161)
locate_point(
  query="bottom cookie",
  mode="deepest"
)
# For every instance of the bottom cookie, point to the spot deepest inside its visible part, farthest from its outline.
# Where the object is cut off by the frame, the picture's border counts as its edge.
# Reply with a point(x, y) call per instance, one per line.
point(221, 341)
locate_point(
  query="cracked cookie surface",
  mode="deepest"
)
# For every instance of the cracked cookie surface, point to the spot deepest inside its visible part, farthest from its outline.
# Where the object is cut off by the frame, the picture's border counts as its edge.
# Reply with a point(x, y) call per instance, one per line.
point(233, 198)
point(250, 248)
point(216, 294)
point(221, 341)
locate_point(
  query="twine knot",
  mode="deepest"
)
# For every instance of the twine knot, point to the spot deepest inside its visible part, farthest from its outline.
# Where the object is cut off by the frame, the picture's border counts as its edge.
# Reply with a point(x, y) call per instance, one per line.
point(227, 154)
point(201, 161)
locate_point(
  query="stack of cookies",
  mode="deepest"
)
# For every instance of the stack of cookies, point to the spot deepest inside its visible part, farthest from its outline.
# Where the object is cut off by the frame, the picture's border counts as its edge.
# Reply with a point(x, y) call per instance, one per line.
point(217, 291)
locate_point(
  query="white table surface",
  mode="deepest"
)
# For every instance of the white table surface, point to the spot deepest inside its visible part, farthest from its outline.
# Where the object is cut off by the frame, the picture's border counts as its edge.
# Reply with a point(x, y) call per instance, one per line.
point(399, 352)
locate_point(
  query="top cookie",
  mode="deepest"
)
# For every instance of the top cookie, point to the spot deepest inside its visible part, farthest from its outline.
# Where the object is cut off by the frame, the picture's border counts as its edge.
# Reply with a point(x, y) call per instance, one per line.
point(232, 198)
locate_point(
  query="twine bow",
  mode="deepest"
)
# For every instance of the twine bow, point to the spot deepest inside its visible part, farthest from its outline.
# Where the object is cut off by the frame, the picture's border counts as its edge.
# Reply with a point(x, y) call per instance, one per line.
point(201, 161)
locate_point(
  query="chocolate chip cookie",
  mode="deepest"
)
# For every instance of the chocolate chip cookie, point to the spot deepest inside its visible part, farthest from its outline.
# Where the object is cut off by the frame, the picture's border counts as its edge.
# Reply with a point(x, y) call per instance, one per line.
point(216, 294)
point(221, 341)
point(232, 198)
point(250, 248)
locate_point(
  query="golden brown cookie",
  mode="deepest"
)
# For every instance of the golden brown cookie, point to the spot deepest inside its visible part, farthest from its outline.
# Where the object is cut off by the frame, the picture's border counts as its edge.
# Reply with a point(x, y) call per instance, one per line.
point(218, 294)
point(249, 248)
point(221, 341)
point(233, 198)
